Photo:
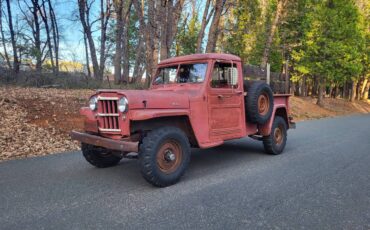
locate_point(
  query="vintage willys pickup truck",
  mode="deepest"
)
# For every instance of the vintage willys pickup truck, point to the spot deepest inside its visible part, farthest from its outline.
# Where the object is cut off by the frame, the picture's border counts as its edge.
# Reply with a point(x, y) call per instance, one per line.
point(196, 101)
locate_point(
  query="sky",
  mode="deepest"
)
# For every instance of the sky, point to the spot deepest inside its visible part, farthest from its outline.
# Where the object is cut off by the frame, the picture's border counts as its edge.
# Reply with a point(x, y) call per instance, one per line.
point(71, 43)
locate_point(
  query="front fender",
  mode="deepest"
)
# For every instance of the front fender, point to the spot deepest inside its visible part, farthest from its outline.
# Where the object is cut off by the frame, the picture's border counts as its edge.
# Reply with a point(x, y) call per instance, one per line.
point(90, 122)
point(146, 114)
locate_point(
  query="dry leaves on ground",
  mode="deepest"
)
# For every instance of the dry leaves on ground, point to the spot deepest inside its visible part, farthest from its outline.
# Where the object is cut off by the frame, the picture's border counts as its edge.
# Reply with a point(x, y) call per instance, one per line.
point(36, 121)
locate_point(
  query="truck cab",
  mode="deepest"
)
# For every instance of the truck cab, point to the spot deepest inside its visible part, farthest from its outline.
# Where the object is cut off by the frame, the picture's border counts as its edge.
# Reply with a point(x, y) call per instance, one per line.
point(197, 101)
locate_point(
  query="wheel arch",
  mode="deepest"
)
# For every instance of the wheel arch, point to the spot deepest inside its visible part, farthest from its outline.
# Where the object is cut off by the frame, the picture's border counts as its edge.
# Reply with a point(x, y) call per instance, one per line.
point(181, 121)
point(281, 111)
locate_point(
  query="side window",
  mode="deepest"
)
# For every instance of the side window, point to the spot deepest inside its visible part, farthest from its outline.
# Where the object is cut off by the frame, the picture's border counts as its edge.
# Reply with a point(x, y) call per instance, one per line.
point(166, 75)
point(224, 75)
point(192, 73)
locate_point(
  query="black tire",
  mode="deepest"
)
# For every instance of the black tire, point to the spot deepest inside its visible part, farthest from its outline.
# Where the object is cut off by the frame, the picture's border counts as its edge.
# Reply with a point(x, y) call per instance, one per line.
point(156, 168)
point(273, 144)
point(259, 93)
point(99, 157)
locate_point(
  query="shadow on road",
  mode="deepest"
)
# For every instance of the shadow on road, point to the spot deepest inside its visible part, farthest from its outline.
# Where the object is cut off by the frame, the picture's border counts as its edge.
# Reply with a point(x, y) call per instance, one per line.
point(203, 162)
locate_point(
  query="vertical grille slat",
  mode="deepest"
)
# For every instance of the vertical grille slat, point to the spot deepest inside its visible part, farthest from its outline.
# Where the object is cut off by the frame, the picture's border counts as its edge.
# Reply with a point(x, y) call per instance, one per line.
point(108, 120)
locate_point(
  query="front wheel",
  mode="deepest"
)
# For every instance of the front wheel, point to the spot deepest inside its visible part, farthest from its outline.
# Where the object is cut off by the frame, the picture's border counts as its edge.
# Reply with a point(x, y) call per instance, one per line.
point(99, 157)
point(275, 142)
point(164, 156)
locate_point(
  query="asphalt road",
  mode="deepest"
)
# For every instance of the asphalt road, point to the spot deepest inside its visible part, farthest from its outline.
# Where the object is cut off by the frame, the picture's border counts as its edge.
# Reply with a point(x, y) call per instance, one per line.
point(321, 181)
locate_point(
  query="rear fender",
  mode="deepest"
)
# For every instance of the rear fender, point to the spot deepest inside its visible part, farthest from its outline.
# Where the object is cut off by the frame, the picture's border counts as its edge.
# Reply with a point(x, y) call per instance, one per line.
point(281, 111)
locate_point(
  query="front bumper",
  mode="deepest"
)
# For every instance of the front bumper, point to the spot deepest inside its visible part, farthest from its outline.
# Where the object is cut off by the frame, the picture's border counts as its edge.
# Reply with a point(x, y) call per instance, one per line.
point(124, 146)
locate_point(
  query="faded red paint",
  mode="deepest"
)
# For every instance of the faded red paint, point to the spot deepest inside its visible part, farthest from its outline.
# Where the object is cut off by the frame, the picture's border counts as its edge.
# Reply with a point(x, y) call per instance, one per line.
point(215, 114)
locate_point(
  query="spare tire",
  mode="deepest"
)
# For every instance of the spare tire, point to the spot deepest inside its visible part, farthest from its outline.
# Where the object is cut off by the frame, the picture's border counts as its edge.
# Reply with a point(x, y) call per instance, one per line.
point(259, 103)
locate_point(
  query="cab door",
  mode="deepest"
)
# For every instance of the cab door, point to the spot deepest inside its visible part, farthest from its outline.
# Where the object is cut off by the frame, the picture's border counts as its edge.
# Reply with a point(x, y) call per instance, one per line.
point(225, 101)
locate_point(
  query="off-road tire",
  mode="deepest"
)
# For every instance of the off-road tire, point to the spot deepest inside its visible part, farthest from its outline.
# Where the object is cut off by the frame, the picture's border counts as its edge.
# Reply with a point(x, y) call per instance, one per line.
point(256, 91)
point(273, 145)
point(151, 148)
point(99, 157)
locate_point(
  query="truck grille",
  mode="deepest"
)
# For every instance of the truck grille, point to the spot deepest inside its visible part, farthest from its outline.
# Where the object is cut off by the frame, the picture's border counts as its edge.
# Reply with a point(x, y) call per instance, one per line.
point(108, 114)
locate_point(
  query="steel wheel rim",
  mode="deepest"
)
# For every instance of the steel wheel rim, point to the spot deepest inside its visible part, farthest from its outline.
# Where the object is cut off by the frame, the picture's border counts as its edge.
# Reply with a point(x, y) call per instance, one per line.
point(263, 104)
point(169, 156)
point(278, 135)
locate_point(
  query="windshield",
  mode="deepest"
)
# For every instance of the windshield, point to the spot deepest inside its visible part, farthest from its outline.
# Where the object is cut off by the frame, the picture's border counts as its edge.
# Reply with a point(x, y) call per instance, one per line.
point(183, 73)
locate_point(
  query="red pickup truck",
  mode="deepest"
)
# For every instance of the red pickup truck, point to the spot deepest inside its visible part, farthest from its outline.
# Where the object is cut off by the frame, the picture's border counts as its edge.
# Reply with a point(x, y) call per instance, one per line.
point(194, 101)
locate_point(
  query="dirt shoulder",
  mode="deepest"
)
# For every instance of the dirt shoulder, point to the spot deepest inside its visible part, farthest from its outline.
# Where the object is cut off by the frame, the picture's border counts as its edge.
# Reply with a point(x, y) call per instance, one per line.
point(37, 121)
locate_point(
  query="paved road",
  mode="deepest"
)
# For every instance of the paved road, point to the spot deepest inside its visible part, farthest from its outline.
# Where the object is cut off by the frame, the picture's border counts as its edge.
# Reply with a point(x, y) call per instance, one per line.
point(322, 181)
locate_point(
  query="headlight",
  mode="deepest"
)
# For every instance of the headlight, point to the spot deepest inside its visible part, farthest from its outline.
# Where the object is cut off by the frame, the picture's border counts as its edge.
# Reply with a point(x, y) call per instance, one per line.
point(93, 103)
point(123, 105)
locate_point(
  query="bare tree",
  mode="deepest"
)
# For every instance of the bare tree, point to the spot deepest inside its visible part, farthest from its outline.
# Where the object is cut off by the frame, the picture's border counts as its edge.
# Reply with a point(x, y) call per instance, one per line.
point(170, 12)
point(271, 33)
point(105, 12)
point(84, 12)
point(125, 45)
point(158, 28)
point(121, 36)
point(12, 36)
point(205, 20)
point(44, 16)
point(118, 7)
point(34, 22)
point(87, 56)
point(6, 56)
point(150, 36)
point(55, 31)
point(213, 30)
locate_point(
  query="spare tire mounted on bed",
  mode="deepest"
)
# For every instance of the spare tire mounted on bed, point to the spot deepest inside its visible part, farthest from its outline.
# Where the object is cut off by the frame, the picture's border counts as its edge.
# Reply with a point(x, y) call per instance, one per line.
point(259, 102)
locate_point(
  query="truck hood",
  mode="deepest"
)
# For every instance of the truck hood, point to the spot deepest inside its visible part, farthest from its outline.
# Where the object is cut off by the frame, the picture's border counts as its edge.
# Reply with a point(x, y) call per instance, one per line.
point(152, 99)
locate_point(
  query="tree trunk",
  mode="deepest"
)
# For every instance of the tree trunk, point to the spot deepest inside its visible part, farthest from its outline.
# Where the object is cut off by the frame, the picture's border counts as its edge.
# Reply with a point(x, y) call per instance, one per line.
point(304, 87)
point(363, 87)
point(37, 35)
point(365, 95)
point(167, 20)
point(6, 56)
point(320, 96)
point(330, 90)
point(205, 20)
point(358, 88)
point(118, 5)
point(315, 86)
point(162, 23)
point(213, 30)
point(105, 15)
point(87, 57)
point(271, 34)
point(353, 91)
point(139, 59)
point(125, 47)
point(337, 91)
point(47, 30)
point(12, 36)
point(55, 31)
point(84, 12)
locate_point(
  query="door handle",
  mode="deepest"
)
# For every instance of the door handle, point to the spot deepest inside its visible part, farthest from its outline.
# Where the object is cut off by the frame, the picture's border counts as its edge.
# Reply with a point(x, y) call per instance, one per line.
point(222, 96)
point(238, 92)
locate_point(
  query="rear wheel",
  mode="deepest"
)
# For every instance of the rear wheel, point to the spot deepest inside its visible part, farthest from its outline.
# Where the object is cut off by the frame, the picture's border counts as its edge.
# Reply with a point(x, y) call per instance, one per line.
point(275, 142)
point(98, 156)
point(164, 156)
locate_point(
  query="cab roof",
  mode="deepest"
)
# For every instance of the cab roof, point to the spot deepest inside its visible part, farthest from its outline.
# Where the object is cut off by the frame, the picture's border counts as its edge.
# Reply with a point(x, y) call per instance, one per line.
point(194, 57)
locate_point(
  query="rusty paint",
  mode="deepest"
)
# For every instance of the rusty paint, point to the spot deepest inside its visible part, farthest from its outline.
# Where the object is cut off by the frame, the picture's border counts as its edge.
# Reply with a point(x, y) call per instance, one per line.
point(118, 145)
point(214, 114)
